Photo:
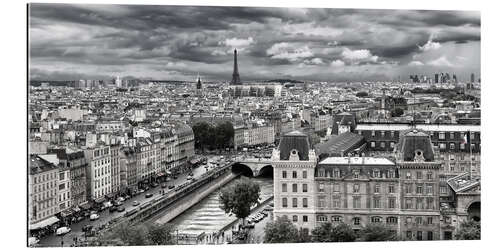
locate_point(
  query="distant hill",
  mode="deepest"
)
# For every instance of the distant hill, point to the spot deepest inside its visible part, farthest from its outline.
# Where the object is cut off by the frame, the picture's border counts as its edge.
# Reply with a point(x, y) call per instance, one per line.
point(285, 81)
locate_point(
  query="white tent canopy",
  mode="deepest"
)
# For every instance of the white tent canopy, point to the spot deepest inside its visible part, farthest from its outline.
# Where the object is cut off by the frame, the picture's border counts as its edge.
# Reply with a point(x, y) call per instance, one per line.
point(47, 222)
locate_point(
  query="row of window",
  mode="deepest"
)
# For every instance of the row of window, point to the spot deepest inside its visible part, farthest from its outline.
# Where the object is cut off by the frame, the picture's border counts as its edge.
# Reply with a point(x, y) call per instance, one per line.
point(419, 236)
point(375, 173)
point(46, 204)
point(356, 202)
point(102, 182)
point(451, 135)
point(284, 188)
point(429, 188)
point(452, 145)
point(44, 186)
point(284, 174)
point(284, 202)
point(419, 204)
point(419, 175)
point(44, 177)
point(100, 152)
point(357, 220)
point(44, 195)
point(440, 135)
point(43, 214)
point(382, 144)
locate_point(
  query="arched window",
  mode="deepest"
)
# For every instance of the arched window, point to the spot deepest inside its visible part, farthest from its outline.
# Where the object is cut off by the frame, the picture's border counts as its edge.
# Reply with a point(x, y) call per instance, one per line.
point(376, 219)
point(392, 220)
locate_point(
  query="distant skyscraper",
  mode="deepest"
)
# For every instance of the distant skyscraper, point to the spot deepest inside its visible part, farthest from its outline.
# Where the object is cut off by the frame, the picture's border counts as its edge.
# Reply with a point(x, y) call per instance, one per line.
point(236, 76)
point(455, 80)
point(472, 78)
point(436, 78)
point(118, 82)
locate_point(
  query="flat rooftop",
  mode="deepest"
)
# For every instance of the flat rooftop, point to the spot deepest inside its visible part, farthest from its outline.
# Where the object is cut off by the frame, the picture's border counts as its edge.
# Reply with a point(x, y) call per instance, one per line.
point(356, 161)
point(425, 127)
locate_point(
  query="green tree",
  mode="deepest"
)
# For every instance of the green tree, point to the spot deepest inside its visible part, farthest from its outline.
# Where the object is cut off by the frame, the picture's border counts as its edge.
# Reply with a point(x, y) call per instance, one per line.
point(397, 112)
point(161, 234)
point(377, 232)
point(281, 230)
point(130, 235)
point(361, 94)
point(237, 199)
point(327, 232)
point(469, 230)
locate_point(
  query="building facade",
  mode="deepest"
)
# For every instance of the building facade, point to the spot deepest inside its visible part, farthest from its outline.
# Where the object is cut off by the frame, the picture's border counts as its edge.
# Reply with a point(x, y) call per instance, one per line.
point(98, 172)
point(401, 194)
point(43, 187)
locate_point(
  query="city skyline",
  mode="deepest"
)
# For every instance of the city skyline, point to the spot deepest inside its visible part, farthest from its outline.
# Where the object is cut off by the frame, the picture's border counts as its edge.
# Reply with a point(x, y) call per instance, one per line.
point(69, 42)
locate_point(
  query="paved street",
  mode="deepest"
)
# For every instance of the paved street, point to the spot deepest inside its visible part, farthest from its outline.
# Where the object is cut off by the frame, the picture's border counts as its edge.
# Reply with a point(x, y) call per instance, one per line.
point(106, 216)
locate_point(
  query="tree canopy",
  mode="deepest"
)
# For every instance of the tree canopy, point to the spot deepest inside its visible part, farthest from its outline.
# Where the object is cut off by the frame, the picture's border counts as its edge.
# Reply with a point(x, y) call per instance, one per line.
point(141, 235)
point(238, 198)
point(208, 136)
point(378, 232)
point(281, 230)
point(469, 230)
point(328, 232)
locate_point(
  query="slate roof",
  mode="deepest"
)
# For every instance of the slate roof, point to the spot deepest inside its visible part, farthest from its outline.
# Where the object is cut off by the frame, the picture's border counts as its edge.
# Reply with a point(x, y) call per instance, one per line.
point(339, 144)
point(294, 140)
point(39, 165)
point(414, 140)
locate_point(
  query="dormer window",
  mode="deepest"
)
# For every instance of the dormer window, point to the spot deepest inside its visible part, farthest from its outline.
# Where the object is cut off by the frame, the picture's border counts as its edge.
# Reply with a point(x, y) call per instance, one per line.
point(336, 173)
point(376, 173)
point(390, 174)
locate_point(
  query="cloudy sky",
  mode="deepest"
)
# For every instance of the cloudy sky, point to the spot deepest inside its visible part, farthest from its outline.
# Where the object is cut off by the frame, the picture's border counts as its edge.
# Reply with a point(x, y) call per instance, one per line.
point(178, 42)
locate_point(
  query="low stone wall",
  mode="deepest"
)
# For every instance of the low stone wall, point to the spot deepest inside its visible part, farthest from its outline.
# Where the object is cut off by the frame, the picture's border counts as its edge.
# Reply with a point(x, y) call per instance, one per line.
point(190, 200)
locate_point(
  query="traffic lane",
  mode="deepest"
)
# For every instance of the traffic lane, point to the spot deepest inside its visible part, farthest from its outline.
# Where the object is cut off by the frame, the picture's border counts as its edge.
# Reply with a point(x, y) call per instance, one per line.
point(106, 216)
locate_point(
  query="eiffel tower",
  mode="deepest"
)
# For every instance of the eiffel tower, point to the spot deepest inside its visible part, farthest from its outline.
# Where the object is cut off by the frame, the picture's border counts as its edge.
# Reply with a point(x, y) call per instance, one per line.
point(236, 76)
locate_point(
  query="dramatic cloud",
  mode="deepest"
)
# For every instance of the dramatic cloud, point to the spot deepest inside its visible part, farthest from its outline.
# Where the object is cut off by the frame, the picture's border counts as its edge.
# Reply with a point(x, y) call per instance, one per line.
point(430, 45)
point(337, 63)
point(238, 43)
point(415, 63)
point(290, 52)
point(441, 61)
point(362, 55)
point(73, 41)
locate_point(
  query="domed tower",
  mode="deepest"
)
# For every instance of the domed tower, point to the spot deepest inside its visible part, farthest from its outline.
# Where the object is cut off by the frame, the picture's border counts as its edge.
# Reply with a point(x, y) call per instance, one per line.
point(419, 186)
point(294, 164)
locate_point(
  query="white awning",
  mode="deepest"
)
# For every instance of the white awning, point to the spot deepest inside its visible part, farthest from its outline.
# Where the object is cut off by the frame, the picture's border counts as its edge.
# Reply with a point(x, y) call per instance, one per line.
point(47, 222)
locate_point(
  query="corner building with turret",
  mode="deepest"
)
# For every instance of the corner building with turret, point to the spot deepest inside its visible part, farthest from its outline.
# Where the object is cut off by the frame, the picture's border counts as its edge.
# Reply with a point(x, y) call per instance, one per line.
point(401, 192)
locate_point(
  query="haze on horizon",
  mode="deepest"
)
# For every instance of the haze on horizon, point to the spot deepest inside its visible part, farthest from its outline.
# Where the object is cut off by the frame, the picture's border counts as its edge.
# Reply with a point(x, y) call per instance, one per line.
point(81, 41)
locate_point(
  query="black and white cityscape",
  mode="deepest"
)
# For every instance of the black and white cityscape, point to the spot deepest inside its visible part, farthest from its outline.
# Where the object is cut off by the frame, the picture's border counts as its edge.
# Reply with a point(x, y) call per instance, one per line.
point(205, 125)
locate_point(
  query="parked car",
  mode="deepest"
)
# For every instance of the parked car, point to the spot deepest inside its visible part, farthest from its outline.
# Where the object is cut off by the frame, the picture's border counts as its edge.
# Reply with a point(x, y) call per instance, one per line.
point(141, 191)
point(112, 209)
point(94, 217)
point(120, 199)
point(136, 203)
point(154, 184)
point(149, 195)
point(171, 187)
point(63, 230)
point(120, 209)
point(127, 197)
